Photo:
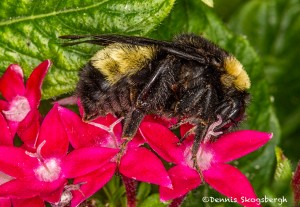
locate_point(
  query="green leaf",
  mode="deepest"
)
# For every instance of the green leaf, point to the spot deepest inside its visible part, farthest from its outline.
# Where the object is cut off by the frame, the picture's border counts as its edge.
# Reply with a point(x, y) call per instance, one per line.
point(283, 172)
point(282, 177)
point(29, 32)
point(152, 200)
point(143, 191)
point(281, 186)
point(273, 27)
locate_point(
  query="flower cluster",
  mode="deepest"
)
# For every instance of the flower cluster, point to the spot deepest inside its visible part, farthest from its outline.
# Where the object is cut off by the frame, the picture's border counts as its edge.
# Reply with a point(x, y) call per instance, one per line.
point(63, 160)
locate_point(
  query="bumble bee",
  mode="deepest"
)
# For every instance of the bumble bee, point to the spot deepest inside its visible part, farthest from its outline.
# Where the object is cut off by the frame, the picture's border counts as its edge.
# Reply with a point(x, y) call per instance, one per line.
point(190, 78)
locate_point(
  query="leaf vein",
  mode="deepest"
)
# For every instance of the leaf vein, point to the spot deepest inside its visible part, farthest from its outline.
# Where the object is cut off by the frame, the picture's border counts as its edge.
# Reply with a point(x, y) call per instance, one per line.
point(55, 13)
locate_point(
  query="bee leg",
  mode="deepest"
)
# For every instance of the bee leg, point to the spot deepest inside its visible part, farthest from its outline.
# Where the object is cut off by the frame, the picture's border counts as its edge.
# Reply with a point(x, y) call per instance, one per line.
point(213, 130)
point(228, 112)
point(235, 110)
point(132, 123)
point(190, 100)
point(200, 133)
point(203, 135)
point(163, 66)
point(181, 122)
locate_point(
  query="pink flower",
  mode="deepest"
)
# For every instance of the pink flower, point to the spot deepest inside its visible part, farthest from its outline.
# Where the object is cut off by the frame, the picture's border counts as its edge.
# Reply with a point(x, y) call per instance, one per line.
point(27, 202)
point(296, 184)
point(22, 100)
point(43, 174)
point(131, 160)
point(211, 160)
point(7, 140)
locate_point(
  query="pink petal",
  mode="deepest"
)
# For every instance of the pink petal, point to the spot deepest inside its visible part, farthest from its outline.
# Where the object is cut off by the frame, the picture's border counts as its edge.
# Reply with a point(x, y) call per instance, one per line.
point(70, 100)
point(28, 129)
point(76, 129)
point(85, 160)
point(92, 182)
point(165, 121)
point(184, 179)
point(82, 134)
point(137, 141)
point(80, 107)
point(234, 145)
point(18, 189)
point(5, 137)
point(295, 183)
point(11, 82)
point(18, 109)
point(162, 141)
point(3, 105)
point(54, 132)
point(5, 202)
point(13, 127)
point(55, 195)
point(29, 187)
point(4, 178)
point(28, 202)
point(34, 83)
point(141, 164)
point(230, 182)
point(184, 128)
point(51, 191)
point(108, 120)
point(15, 162)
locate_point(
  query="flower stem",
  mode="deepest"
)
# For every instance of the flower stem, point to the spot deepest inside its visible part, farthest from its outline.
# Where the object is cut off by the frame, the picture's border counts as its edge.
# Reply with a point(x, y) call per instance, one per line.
point(177, 201)
point(130, 186)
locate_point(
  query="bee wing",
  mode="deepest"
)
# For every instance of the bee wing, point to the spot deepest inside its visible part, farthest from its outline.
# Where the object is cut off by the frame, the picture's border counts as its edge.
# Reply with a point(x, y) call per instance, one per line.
point(107, 39)
point(174, 48)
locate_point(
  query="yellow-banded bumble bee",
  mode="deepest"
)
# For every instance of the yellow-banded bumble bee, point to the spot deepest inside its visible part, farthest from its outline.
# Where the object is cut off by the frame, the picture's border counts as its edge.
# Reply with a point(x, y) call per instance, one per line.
point(189, 78)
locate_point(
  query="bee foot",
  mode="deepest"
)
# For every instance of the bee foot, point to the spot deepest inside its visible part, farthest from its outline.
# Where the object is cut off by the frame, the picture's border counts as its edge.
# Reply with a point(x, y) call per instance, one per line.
point(210, 130)
point(197, 167)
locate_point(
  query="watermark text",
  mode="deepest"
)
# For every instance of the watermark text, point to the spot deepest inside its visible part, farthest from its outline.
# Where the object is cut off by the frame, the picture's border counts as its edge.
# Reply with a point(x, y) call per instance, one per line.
point(243, 199)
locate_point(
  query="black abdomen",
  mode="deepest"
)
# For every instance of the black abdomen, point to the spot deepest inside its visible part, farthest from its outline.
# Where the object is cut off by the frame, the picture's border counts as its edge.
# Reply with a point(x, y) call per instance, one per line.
point(98, 97)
